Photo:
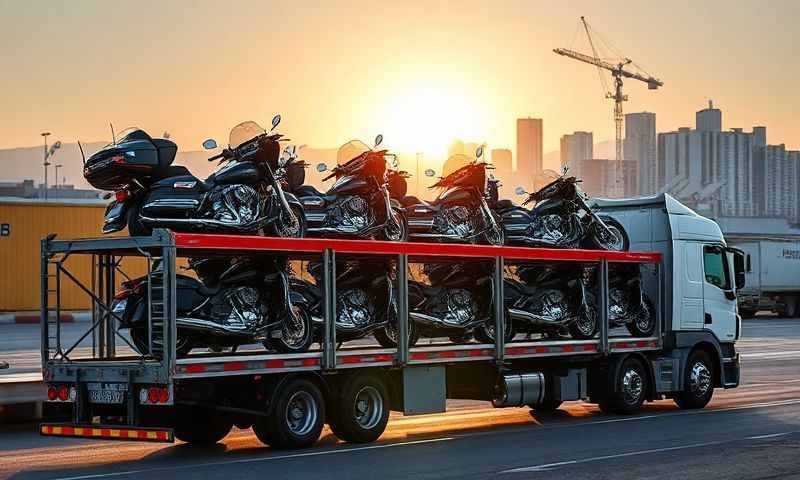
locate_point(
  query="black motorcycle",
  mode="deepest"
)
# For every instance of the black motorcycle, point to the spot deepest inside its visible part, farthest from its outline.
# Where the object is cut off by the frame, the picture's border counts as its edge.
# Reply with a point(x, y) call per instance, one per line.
point(628, 305)
point(549, 299)
point(561, 217)
point(243, 196)
point(358, 204)
point(235, 301)
point(365, 299)
point(460, 213)
point(457, 302)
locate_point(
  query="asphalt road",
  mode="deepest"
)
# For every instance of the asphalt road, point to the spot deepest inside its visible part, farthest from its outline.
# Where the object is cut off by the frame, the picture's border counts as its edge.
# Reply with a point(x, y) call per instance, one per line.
point(749, 432)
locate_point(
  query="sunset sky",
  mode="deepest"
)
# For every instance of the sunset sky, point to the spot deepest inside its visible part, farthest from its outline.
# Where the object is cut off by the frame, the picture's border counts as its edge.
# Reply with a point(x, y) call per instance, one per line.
point(421, 72)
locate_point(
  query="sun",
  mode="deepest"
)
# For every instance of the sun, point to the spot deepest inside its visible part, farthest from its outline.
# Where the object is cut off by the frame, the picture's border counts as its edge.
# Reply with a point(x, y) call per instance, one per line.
point(427, 119)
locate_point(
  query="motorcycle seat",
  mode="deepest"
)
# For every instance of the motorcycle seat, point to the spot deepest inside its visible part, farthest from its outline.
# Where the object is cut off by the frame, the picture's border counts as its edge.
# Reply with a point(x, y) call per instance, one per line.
point(308, 192)
point(207, 291)
point(504, 204)
point(411, 202)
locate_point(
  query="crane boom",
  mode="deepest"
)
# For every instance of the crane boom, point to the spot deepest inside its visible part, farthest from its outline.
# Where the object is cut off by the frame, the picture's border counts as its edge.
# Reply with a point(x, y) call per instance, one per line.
point(618, 72)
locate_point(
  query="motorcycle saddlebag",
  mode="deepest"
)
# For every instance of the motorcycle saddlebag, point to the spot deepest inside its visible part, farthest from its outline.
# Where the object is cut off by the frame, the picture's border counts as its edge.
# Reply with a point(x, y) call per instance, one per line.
point(173, 197)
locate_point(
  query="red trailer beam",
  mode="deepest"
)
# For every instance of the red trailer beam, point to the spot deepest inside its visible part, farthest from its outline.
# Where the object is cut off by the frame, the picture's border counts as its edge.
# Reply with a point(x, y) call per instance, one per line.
point(195, 241)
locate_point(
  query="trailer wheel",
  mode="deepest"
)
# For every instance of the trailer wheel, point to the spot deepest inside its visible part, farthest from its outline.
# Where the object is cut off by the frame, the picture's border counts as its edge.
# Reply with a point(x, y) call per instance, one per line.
point(360, 412)
point(200, 425)
point(790, 310)
point(747, 313)
point(698, 382)
point(295, 418)
point(628, 391)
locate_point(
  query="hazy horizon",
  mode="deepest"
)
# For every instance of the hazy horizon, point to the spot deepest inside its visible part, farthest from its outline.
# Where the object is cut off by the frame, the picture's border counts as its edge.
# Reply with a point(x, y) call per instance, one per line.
point(418, 73)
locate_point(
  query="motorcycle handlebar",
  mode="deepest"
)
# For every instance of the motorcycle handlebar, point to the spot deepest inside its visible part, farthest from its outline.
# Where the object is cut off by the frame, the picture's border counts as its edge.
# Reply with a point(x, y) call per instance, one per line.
point(226, 153)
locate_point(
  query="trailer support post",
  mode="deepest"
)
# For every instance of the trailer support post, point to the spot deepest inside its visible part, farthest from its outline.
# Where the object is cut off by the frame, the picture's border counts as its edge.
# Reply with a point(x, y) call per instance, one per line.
point(329, 299)
point(602, 297)
point(169, 324)
point(43, 294)
point(402, 310)
point(499, 312)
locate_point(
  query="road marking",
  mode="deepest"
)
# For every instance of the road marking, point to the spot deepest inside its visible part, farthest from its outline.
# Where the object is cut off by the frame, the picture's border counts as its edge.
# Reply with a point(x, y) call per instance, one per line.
point(780, 353)
point(261, 459)
point(551, 466)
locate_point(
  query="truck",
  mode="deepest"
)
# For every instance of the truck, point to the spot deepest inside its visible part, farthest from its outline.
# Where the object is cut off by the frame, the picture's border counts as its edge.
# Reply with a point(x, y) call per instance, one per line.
point(109, 391)
point(772, 272)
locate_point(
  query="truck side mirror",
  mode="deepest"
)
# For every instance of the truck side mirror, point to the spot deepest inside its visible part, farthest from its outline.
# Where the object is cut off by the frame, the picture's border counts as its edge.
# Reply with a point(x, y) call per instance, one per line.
point(739, 269)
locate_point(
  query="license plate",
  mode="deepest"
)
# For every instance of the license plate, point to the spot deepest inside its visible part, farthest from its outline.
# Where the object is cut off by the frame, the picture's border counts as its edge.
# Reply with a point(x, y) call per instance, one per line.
point(108, 393)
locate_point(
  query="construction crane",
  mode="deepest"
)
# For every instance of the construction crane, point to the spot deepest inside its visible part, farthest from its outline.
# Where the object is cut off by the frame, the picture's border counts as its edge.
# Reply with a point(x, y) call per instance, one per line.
point(618, 72)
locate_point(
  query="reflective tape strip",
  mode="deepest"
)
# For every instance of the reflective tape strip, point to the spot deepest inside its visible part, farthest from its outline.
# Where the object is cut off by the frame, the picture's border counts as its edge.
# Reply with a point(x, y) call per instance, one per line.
point(108, 433)
point(549, 350)
point(446, 354)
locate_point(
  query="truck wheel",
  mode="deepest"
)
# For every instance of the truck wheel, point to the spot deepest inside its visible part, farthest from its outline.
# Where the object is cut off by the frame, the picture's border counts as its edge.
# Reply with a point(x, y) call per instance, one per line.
point(200, 425)
point(791, 308)
point(628, 391)
point(644, 324)
point(586, 324)
point(549, 405)
point(360, 412)
point(295, 418)
point(747, 313)
point(698, 382)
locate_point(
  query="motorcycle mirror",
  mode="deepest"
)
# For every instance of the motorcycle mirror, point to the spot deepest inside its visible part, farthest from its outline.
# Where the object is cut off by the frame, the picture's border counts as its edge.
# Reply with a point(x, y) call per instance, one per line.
point(210, 144)
point(321, 167)
point(275, 121)
point(479, 152)
point(378, 140)
point(565, 169)
point(520, 191)
point(294, 150)
point(429, 172)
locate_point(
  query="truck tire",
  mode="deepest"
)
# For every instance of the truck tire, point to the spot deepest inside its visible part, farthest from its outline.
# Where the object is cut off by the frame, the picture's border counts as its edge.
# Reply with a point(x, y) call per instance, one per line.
point(698, 382)
point(295, 418)
point(360, 411)
point(747, 313)
point(628, 390)
point(549, 405)
point(790, 310)
point(200, 426)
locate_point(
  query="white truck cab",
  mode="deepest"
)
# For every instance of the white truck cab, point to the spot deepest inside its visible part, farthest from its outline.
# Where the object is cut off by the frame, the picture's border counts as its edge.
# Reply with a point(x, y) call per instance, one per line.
point(701, 272)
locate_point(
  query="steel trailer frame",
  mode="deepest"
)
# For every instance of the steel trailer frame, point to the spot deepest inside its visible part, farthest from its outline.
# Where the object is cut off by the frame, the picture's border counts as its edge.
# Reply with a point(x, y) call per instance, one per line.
point(167, 245)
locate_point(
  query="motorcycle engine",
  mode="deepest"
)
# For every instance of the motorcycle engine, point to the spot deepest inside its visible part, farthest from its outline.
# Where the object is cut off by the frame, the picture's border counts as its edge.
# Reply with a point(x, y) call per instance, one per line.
point(616, 304)
point(238, 308)
point(353, 212)
point(455, 221)
point(455, 307)
point(549, 228)
point(354, 310)
point(552, 305)
point(236, 204)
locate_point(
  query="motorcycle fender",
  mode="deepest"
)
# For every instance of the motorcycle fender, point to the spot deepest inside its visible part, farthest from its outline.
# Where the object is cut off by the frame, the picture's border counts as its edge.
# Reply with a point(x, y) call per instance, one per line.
point(115, 217)
point(396, 204)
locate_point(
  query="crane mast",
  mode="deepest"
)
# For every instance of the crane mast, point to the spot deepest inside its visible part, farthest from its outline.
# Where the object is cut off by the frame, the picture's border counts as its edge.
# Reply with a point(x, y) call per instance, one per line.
point(618, 72)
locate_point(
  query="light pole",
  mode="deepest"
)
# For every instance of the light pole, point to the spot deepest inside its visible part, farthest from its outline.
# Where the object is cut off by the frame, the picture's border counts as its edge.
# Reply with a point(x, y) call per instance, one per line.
point(46, 163)
point(419, 154)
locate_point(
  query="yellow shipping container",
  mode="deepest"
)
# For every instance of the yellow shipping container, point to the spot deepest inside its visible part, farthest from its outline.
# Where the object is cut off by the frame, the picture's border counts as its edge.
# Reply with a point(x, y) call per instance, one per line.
point(23, 223)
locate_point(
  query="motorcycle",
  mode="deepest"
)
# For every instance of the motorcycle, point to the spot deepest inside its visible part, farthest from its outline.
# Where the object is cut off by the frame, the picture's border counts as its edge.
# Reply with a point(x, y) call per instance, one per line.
point(242, 196)
point(457, 302)
point(234, 301)
point(561, 217)
point(460, 213)
point(358, 204)
point(365, 298)
point(550, 299)
point(628, 305)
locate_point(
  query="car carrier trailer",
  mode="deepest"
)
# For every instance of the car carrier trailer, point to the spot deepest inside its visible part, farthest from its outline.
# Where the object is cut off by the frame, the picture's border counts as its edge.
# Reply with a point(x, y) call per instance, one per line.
point(111, 391)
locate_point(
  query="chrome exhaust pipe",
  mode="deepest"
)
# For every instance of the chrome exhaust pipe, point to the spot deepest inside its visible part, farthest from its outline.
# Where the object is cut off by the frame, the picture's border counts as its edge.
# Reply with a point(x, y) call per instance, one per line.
point(518, 389)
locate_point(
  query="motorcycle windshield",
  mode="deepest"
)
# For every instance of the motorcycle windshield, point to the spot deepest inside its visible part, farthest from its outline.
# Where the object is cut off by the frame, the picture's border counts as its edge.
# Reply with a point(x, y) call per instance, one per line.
point(355, 158)
point(243, 133)
point(350, 151)
point(545, 184)
point(472, 174)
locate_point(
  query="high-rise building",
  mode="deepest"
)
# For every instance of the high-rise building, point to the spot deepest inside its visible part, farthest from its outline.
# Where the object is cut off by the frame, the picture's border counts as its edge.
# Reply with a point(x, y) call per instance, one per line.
point(501, 158)
point(781, 177)
point(600, 177)
point(640, 147)
point(709, 119)
point(575, 148)
point(529, 148)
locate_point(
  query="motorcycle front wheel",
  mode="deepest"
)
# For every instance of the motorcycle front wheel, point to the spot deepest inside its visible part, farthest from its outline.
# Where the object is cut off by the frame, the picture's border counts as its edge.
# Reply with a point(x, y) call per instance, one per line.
point(614, 238)
point(496, 237)
point(586, 324)
point(140, 341)
point(644, 324)
point(285, 228)
point(297, 332)
point(485, 333)
point(397, 232)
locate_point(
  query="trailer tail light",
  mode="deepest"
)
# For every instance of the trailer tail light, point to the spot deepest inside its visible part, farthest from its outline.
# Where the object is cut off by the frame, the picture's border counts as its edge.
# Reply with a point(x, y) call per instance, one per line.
point(61, 393)
point(154, 396)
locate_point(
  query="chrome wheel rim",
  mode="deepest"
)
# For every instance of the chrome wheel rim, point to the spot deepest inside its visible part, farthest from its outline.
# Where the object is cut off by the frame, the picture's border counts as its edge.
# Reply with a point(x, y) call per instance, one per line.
point(394, 230)
point(610, 238)
point(289, 227)
point(301, 413)
point(632, 386)
point(368, 407)
point(294, 328)
point(700, 379)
